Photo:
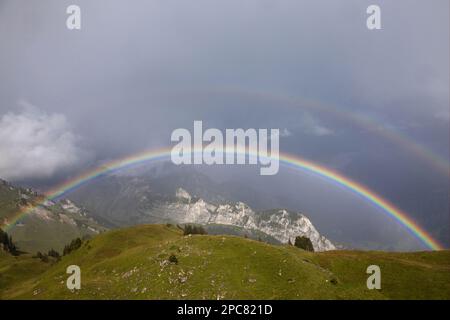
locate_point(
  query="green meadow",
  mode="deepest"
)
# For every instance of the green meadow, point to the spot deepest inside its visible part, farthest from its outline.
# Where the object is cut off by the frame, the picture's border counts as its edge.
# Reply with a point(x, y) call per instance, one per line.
point(159, 262)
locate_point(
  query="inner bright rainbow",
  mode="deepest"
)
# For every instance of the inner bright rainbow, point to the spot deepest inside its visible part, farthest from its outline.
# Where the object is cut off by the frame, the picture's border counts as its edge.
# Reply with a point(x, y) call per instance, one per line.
point(292, 161)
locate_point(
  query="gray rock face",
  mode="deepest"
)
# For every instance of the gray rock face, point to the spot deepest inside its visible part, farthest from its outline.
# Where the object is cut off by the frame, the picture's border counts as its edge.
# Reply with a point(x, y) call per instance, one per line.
point(281, 224)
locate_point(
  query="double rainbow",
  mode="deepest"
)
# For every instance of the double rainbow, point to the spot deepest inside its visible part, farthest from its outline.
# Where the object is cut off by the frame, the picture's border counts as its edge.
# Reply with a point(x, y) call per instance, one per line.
point(291, 161)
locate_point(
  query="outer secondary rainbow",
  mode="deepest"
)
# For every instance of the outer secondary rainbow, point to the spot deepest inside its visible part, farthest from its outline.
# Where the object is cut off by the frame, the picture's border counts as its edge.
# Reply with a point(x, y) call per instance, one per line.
point(368, 124)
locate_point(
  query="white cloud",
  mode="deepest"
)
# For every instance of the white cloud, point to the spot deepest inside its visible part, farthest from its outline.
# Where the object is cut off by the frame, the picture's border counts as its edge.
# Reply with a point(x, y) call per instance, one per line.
point(312, 126)
point(443, 115)
point(34, 144)
point(282, 133)
point(285, 133)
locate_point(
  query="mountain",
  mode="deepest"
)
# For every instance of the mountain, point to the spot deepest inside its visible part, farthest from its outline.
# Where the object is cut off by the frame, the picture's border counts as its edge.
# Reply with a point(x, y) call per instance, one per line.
point(49, 225)
point(136, 263)
point(125, 200)
point(134, 190)
point(280, 224)
point(161, 196)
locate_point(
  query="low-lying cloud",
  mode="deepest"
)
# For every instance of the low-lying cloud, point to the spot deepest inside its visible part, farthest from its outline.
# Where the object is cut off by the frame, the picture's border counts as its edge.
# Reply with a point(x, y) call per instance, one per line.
point(35, 145)
point(311, 126)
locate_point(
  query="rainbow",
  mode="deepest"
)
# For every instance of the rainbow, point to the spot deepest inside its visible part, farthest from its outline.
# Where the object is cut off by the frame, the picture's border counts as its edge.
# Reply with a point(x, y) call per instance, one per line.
point(365, 123)
point(291, 161)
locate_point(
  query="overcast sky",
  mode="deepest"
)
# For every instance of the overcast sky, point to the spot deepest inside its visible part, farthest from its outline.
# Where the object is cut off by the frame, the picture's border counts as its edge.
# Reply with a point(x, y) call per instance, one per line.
point(138, 70)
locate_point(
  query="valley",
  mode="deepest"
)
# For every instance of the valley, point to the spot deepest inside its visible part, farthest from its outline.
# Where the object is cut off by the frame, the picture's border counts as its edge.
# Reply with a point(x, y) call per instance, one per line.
point(37, 224)
point(146, 254)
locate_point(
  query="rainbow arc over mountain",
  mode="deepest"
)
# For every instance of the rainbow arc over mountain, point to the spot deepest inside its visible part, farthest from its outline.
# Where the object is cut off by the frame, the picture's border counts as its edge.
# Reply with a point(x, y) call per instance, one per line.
point(292, 161)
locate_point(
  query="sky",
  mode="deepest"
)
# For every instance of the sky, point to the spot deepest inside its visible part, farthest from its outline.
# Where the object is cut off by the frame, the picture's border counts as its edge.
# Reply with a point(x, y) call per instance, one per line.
point(356, 100)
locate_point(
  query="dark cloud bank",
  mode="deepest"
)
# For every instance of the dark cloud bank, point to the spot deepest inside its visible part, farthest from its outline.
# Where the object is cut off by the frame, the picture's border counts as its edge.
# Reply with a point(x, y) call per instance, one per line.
point(135, 72)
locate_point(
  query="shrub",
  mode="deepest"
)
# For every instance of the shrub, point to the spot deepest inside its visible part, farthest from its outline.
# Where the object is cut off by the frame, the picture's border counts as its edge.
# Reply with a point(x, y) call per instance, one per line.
point(173, 259)
point(42, 257)
point(53, 253)
point(303, 243)
point(193, 229)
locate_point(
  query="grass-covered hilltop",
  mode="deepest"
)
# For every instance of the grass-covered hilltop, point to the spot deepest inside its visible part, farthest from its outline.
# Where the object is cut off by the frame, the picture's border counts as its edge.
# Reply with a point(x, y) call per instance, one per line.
point(159, 262)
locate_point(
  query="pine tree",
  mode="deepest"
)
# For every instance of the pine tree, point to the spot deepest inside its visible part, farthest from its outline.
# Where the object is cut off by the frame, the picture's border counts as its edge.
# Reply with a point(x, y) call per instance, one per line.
point(7, 243)
point(74, 245)
point(53, 253)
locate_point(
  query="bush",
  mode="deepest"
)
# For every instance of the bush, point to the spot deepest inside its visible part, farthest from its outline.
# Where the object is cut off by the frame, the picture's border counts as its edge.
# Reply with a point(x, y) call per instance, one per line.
point(193, 229)
point(42, 257)
point(54, 254)
point(304, 243)
point(173, 259)
point(334, 281)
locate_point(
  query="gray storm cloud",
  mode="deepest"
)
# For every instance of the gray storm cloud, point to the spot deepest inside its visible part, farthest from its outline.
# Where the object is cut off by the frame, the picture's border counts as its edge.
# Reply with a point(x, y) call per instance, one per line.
point(34, 144)
point(138, 70)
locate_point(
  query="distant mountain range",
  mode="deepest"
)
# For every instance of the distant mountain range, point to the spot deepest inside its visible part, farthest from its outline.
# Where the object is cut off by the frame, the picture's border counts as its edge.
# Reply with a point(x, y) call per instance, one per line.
point(117, 201)
point(49, 225)
point(189, 197)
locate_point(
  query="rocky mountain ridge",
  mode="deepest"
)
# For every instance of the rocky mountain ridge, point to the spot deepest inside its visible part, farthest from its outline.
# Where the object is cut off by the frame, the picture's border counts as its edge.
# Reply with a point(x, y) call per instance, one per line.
point(281, 224)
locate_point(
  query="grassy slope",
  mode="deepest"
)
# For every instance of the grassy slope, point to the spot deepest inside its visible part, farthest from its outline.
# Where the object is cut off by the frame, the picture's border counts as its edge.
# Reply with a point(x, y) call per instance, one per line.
point(130, 264)
point(18, 274)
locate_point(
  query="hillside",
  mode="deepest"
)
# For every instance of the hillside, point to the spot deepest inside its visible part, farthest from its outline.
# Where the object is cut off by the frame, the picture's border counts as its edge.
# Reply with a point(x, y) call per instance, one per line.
point(133, 263)
point(49, 225)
